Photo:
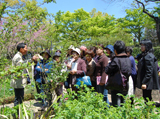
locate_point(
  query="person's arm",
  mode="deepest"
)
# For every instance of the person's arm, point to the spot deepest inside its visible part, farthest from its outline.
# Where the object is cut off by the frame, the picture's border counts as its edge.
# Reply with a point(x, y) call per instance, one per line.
point(111, 67)
point(104, 64)
point(48, 69)
point(83, 68)
point(38, 67)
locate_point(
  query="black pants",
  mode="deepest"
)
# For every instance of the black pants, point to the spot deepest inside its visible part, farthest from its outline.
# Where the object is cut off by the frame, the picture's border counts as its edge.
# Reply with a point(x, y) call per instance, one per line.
point(147, 94)
point(94, 84)
point(67, 82)
point(19, 96)
point(59, 91)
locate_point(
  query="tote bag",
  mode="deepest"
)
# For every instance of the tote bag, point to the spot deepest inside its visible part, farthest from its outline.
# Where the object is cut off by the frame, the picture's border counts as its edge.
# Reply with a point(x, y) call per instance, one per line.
point(85, 79)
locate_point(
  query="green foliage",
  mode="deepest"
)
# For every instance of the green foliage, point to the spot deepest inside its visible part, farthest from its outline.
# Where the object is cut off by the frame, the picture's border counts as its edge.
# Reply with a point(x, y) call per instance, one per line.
point(134, 22)
point(90, 105)
point(137, 50)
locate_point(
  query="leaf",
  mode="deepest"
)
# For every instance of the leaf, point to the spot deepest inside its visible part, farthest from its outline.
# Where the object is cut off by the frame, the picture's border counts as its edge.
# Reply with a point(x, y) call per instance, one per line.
point(20, 112)
point(4, 116)
point(25, 111)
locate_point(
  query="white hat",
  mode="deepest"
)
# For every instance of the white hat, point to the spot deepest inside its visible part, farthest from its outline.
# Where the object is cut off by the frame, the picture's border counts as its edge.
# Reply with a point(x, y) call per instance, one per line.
point(77, 50)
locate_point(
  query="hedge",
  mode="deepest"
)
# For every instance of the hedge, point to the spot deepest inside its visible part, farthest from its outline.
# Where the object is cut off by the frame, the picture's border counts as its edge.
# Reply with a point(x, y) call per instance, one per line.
point(137, 50)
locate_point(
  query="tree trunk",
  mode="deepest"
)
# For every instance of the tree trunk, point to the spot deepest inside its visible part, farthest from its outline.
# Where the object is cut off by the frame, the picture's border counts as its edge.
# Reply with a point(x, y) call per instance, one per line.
point(158, 28)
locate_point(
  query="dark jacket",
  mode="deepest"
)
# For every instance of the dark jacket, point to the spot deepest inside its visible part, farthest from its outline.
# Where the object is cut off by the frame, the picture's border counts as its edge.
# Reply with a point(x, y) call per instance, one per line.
point(100, 67)
point(147, 72)
point(120, 61)
point(91, 69)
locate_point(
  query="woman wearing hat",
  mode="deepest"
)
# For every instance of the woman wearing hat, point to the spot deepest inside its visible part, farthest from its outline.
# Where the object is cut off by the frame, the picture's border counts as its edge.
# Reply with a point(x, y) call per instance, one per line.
point(43, 68)
point(78, 67)
point(147, 78)
point(59, 87)
point(110, 51)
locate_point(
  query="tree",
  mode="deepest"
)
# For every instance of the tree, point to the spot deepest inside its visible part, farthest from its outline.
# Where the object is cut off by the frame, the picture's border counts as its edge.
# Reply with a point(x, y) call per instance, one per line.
point(156, 19)
point(6, 5)
point(80, 26)
point(27, 24)
point(135, 22)
point(93, 13)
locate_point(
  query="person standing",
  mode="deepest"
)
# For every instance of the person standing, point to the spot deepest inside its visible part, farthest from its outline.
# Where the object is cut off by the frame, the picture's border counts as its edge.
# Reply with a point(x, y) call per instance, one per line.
point(43, 68)
point(100, 72)
point(120, 63)
point(83, 50)
point(57, 61)
point(68, 62)
point(147, 78)
point(78, 67)
point(91, 65)
point(19, 83)
point(110, 51)
point(129, 51)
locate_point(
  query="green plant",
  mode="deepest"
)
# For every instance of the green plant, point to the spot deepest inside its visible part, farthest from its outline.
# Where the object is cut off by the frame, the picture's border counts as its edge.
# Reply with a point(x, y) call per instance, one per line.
point(90, 105)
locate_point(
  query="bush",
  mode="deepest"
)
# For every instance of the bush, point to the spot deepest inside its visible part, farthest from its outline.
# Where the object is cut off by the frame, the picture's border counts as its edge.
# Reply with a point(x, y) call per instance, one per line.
point(137, 50)
point(90, 105)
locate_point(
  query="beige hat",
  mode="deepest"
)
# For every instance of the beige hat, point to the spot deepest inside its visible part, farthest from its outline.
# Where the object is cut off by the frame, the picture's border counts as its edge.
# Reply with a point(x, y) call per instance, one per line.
point(77, 50)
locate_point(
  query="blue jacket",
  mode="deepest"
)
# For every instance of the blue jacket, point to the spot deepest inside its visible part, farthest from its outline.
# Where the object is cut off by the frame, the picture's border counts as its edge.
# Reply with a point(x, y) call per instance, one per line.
point(41, 73)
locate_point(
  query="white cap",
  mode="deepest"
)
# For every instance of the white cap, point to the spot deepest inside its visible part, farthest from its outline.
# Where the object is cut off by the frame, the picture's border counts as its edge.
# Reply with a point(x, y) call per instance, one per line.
point(77, 50)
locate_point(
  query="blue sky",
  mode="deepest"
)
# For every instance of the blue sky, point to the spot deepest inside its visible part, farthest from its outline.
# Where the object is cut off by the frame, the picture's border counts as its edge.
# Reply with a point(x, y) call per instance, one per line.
point(112, 8)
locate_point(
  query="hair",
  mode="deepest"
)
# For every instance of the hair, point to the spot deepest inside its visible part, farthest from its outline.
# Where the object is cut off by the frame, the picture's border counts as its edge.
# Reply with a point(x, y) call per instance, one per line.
point(119, 46)
point(129, 49)
point(90, 52)
point(20, 45)
point(148, 45)
point(101, 45)
point(93, 49)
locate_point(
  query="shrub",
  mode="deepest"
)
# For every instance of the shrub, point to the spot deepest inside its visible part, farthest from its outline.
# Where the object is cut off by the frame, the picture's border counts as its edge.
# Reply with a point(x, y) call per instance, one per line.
point(90, 105)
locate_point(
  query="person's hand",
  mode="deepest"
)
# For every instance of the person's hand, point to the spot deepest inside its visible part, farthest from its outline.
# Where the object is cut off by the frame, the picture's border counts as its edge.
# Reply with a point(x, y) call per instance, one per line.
point(159, 73)
point(68, 66)
point(101, 84)
point(73, 72)
point(46, 70)
point(35, 58)
point(38, 67)
point(144, 86)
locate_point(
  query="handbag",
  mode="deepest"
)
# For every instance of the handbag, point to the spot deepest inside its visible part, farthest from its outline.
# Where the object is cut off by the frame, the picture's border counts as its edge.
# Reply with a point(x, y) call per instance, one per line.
point(118, 81)
point(98, 78)
point(85, 79)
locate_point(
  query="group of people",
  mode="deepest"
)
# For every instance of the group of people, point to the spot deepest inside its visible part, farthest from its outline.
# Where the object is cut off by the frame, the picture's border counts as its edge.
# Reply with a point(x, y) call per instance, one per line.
point(99, 63)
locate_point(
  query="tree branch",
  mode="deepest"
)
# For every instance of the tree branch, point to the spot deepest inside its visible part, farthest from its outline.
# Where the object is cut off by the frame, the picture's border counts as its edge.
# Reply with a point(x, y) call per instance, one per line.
point(144, 9)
